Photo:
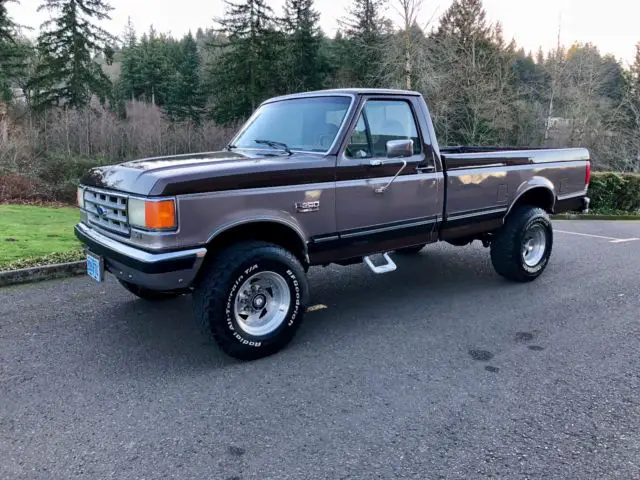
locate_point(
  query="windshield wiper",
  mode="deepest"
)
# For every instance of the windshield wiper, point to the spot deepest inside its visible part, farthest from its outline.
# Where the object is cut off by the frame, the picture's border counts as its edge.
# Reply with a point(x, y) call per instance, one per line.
point(273, 144)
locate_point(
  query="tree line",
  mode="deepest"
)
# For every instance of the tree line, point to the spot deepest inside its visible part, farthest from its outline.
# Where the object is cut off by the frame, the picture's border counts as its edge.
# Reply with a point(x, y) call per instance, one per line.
point(482, 89)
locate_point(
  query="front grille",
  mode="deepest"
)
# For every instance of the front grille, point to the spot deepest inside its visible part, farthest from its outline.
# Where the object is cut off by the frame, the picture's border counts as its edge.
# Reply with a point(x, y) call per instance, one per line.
point(107, 210)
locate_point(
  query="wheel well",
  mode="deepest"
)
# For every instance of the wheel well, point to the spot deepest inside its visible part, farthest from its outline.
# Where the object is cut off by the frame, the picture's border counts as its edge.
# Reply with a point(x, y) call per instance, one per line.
point(537, 197)
point(266, 231)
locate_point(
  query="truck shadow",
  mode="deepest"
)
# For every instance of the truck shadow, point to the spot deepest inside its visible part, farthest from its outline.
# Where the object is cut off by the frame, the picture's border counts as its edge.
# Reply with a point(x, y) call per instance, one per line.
point(163, 339)
point(455, 276)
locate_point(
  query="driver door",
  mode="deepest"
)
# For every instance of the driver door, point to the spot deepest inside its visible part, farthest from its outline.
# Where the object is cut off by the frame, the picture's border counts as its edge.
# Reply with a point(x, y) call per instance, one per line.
point(406, 213)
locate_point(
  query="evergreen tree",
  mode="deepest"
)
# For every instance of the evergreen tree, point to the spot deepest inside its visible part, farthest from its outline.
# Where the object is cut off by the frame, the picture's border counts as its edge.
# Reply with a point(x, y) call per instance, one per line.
point(246, 71)
point(466, 21)
point(154, 66)
point(163, 71)
point(614, 84)
point(366, 30)
point(13, 52)
point(633, 104)
point(185, 96)
point(7, 25)
point(635, 75)
point(305, 66)
point(130, 74)
point(68, 73)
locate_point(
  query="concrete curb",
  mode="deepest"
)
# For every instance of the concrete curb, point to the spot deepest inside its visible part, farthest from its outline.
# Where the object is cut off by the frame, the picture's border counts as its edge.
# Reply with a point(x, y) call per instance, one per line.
point(589, 216)
point(39, 274)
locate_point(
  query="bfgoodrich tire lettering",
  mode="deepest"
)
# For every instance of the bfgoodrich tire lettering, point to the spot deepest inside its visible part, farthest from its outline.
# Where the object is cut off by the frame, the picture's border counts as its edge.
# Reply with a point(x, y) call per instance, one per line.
point(216, 294)
point(508, 243)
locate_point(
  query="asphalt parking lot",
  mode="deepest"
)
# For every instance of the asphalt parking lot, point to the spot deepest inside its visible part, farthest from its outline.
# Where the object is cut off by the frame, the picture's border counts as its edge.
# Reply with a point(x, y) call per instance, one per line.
point(438, 370)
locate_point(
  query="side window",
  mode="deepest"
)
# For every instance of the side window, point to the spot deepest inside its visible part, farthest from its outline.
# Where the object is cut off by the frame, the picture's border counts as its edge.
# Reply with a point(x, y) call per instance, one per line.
point(391, 120)
point(358, 146)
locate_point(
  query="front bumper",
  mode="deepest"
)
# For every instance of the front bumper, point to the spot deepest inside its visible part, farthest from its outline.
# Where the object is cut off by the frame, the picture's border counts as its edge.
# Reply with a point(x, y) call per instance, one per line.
point(156, 271)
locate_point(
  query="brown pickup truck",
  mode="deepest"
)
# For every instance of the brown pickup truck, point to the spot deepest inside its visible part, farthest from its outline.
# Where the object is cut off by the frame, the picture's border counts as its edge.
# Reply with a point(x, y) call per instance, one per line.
point(338, 176)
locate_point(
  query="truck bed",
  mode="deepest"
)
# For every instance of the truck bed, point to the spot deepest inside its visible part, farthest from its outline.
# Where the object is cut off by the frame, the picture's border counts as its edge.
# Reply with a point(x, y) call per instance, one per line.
point(481, 183)
point(478, 149)
point(476, 157)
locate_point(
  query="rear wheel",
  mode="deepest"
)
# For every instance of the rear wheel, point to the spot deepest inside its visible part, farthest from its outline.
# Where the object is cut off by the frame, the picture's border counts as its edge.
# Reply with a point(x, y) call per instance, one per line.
point(520, 250)
point(150, 295)
point(252, 299)
point(411, 250)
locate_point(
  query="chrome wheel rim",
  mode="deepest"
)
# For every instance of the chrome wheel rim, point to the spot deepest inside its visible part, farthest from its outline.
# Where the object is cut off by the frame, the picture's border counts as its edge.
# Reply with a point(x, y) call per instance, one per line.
point(534, 246)
point(262, 303)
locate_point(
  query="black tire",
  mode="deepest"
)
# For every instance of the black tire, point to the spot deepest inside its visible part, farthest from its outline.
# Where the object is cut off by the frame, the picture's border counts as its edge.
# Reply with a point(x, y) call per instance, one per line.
point(214, 298)
point(149, 295)
point(411, 250)
point(508, 243)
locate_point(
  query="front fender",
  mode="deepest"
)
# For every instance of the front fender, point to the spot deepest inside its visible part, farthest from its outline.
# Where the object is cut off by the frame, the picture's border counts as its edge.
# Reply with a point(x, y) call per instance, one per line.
point(245, 217)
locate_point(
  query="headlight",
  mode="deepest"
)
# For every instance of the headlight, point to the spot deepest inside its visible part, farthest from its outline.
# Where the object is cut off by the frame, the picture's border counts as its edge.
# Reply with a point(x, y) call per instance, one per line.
point(80, 197)
point(152, 214)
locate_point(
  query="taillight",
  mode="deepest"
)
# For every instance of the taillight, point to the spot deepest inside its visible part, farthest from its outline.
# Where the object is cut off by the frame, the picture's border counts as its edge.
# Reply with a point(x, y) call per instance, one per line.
point(587, 176)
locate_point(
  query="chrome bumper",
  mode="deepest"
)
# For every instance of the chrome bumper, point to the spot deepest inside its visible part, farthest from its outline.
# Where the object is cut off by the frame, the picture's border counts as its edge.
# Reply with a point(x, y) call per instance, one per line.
point(156, 271)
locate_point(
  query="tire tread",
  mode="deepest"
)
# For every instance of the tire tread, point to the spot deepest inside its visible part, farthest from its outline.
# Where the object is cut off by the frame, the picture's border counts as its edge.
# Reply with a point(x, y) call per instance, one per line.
point(211, 292)
point(505, 246)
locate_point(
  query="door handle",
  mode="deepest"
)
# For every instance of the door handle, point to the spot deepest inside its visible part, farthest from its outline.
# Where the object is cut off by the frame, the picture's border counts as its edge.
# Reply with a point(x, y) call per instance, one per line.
point(426, 169)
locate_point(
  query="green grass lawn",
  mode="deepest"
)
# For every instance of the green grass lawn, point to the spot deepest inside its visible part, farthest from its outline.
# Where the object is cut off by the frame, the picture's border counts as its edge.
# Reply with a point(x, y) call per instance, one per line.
point(32, 235)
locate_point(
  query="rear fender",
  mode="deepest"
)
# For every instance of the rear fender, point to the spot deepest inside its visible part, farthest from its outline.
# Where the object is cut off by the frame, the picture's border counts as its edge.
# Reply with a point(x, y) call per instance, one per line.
point(537, 184)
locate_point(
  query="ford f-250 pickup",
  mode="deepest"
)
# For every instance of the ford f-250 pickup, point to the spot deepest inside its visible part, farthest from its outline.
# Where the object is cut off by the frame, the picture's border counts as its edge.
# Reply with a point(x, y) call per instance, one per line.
point(339, 176)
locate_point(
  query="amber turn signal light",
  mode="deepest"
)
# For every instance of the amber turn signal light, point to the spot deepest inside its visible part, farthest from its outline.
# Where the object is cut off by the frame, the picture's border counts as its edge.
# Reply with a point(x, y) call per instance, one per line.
point(153, 214)
point(160, 215)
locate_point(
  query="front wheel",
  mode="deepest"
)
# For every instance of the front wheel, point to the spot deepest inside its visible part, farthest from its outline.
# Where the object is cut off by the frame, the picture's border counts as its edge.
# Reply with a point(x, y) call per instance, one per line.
point(252, 299)
point(520, 250)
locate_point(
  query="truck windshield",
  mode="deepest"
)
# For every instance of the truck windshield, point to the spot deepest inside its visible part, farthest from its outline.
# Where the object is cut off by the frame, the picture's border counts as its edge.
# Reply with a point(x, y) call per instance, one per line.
point(306, 124)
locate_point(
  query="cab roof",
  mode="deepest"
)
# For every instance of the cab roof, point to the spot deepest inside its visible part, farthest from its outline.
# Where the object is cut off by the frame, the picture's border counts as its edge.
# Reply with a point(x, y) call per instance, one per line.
point(346, 91)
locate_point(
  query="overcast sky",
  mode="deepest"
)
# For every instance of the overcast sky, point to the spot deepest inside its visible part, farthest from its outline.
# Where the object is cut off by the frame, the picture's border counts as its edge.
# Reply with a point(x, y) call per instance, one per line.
point(612, 25)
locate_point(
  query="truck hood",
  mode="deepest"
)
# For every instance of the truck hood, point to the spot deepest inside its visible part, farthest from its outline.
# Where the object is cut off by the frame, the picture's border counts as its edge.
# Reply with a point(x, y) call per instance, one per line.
point(211, 172)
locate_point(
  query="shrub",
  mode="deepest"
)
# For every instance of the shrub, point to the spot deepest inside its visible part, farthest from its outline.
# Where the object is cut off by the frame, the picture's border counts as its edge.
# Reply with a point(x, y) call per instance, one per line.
point(615, 192)
point(17, 187)
point(45, 156)
point(60, 175)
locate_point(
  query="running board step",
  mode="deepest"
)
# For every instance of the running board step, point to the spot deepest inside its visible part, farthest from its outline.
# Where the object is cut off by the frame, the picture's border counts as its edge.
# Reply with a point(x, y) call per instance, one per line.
point(390, 266)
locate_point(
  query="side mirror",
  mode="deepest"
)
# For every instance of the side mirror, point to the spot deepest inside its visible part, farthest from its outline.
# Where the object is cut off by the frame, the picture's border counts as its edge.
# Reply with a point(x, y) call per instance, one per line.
point(399, 148)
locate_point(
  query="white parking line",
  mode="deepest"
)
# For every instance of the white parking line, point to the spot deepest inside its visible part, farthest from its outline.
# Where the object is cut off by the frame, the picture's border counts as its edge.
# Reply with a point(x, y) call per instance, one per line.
point(611, 239)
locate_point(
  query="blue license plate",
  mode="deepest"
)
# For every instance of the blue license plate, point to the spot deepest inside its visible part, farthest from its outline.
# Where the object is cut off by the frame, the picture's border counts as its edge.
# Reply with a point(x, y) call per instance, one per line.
point(95, 267)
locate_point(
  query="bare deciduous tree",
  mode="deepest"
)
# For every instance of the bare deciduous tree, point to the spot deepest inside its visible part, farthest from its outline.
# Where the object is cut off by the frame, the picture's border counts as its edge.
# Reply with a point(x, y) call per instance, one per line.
point(408, 10)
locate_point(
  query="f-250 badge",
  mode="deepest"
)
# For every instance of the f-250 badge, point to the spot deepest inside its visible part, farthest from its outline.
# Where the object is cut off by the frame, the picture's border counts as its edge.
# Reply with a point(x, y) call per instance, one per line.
point(305, 207)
